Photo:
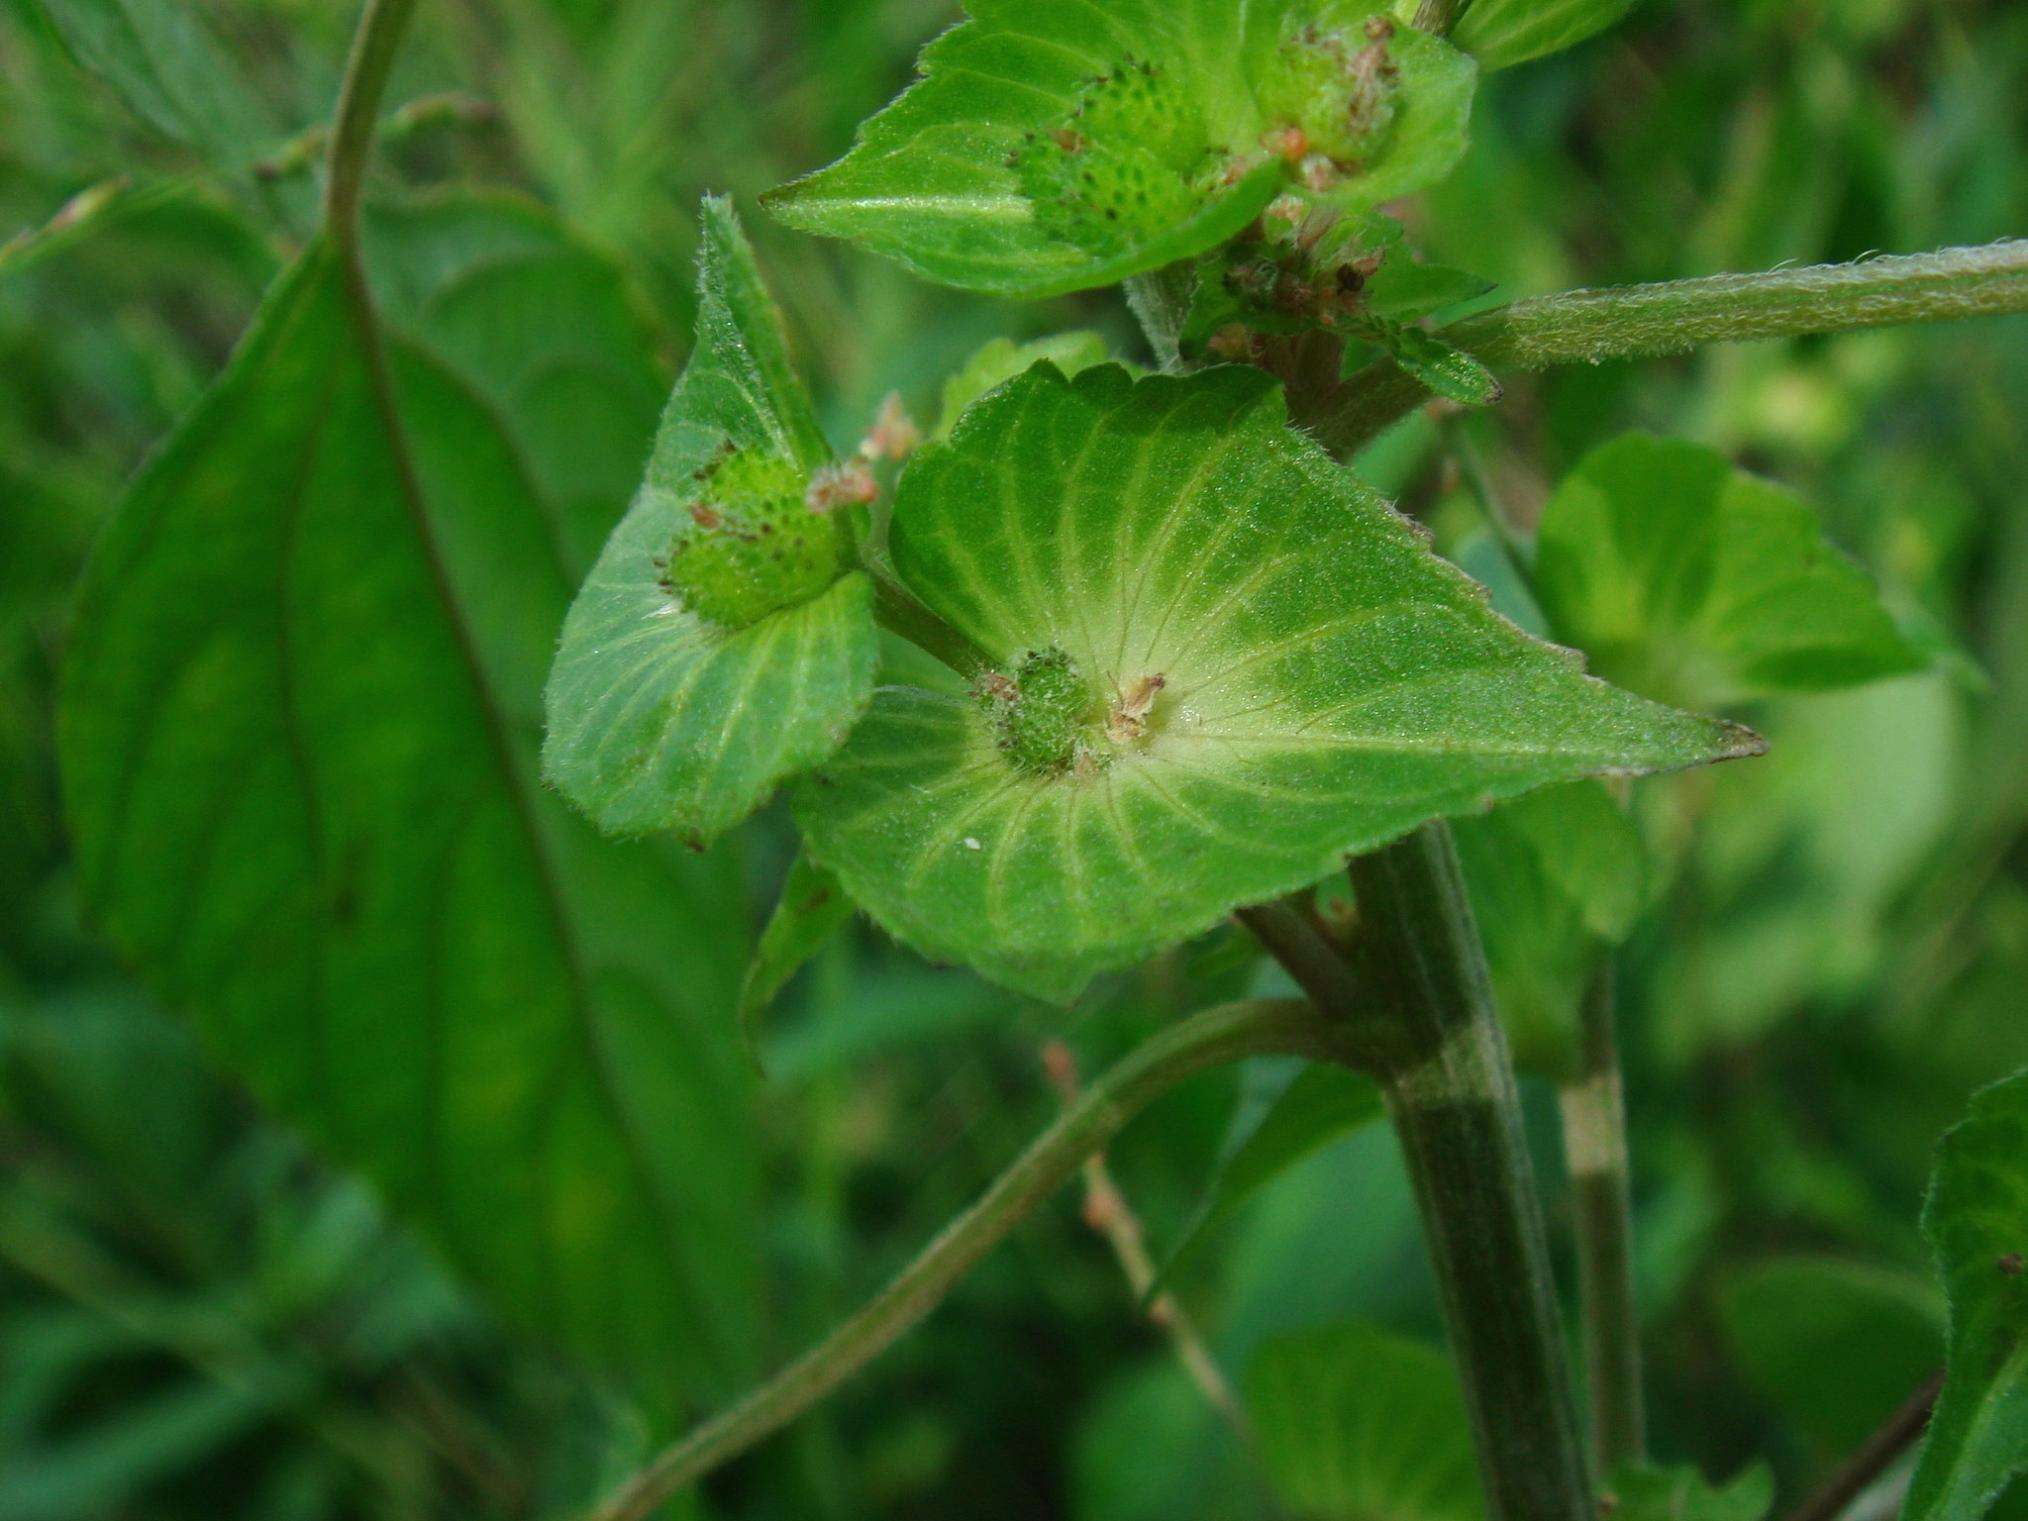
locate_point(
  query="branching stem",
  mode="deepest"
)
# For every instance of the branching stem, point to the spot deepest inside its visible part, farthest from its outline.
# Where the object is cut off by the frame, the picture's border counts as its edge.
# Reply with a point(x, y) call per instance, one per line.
point(1225, 1034)
point(1455, 1108)
point(1631, 321)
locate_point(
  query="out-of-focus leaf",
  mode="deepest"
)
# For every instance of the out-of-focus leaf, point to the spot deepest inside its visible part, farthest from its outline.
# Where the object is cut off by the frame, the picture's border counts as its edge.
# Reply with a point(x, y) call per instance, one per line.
point(1405, 290)
point(162, 60)
point(298, 743)
point(1500, 33)
point(1834, 1346)
point(1153, 1449)
point(661, 717)
point(1976, 1219)
point(1001, 360)
point(1553, 876)
point(1684, 1494)
point(1697, 583)
point(1354, 1422)
point(1055, 145)
point(812, 908)
point(1257, 668)
point(1319, 1106)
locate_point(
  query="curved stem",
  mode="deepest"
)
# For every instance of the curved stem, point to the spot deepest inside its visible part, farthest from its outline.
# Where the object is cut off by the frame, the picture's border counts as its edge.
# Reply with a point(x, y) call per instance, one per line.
point(1306, 956)
point(1630, 321)
point(1225, 1034)
point(1455, 1108)
point(373, 48)
point(1595, 1150)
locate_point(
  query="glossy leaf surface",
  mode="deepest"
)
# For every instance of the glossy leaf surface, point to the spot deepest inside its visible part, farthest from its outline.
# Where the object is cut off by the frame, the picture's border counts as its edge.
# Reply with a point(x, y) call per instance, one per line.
point(661, 717)
point(299, 743)
point(1275, 672)
point(1056, 145)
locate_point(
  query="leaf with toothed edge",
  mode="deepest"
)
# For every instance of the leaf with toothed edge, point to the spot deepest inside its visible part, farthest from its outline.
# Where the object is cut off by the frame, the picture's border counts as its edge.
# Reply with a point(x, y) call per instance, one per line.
point(1059, 145)
point(1277, 671)
point(664, 711)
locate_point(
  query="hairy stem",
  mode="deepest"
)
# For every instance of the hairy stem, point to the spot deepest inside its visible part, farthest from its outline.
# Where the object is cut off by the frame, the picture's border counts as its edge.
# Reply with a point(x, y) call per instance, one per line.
point(1225, 1034)
point(1439, 16)
point(1454, 1106)
point(1631, 321)
point(1595, 1149)
point(1305, 955)
point(373, 48)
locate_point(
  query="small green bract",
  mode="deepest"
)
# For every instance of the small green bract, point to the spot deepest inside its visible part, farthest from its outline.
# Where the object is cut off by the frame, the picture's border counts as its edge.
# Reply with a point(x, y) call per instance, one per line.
point(752, 543)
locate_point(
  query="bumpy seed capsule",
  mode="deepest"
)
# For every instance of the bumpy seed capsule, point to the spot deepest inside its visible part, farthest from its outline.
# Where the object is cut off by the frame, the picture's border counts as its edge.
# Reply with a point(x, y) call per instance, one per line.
point(1335, 89)
point(751, 542)
point(1044, 716)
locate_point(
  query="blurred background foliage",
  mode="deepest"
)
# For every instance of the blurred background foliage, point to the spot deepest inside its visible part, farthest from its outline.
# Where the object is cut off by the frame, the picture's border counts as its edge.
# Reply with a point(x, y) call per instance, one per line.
point(198, 1318)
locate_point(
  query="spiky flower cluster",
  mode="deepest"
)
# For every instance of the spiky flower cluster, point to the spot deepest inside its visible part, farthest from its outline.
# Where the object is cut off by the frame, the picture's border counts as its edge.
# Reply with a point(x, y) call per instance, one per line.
point(1331, 96)
point(1050, 721)
point(756, 537)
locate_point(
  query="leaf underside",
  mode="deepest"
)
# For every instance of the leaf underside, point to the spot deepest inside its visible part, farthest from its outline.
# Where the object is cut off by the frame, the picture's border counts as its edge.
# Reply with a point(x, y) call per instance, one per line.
point(298, 736)
point(660, 718)
point(932, 179)
point(1976, 1219)
point(1326, 682)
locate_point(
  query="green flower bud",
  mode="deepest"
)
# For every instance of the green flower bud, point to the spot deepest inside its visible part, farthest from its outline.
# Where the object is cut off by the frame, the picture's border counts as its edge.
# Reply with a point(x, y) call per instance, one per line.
point(755, 539)
point(1045, 716)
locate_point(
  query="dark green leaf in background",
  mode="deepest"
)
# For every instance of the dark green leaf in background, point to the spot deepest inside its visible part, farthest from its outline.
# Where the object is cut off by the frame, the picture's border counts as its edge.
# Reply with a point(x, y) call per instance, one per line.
point(298, 736)
point(1355, 1422)
point(659, 716)
point(1977, 1222)
point(1684, 1494)
point(1697, 583)
point(1271, 670)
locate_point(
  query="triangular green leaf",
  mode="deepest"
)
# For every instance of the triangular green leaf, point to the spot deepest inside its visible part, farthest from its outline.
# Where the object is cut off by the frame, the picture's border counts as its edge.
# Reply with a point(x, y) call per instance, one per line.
point(682, 704)
point(1223, 665)
point(1698, 583)
point(298, 737)
point(1976, 1219)
point(1501, 33)
point(1055, 145)
point(811, 909)
point(1354, 1422)
point(1684, 1494)
point(1444, 368)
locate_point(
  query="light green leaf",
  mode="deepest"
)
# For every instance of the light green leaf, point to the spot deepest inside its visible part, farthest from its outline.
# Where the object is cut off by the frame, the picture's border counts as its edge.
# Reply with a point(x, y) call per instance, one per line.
point(812, 908)
point(1321, 1104)
point(1554, 877)
point(164, 63)
point(1354, 1423)
point(1405, 290)
point(1056, 145)
point(1976, 1219)
point(682, 705)
point(1501, 33)
point(298, 738)
point(1834, 1346)
point(1697, 583)
point(1684, 1494)
point(1000, 361)
point(1443, 367)
point(1224, 665)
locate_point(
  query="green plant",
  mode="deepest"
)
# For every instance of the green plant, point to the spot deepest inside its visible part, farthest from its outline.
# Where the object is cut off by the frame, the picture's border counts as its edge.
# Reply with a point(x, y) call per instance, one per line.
point(1115, 657)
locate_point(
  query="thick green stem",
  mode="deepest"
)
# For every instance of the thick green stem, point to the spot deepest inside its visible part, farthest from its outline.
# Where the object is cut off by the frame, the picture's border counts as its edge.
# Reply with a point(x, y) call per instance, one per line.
point(1226, 1034)
point(374, 46)
point(1455, 1108)
point(1306, 956)
point(1630, 321)
point(1595, 1149)
point(900, 613)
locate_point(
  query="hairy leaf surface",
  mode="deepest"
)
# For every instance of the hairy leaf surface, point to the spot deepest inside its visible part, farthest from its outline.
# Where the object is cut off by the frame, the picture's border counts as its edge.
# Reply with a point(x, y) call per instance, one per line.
point(1977, 1223)
point(1356, 1422)
point(661, 717)
point(299, 746)
point(1056, 145)
point(1269, 670)
point(1698, 583)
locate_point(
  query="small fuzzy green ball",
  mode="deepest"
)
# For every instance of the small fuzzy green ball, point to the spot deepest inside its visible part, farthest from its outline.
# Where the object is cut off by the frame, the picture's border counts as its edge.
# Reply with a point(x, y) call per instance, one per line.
point(750, 544)
point(1045, 716)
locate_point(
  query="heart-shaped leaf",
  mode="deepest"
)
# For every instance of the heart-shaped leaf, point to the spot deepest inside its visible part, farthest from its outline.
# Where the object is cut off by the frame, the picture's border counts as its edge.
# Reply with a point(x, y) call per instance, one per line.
point(721, 643)
point(1055, 145)
point(1977, 1223)
point(1698, 583)
point(1223, 665)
